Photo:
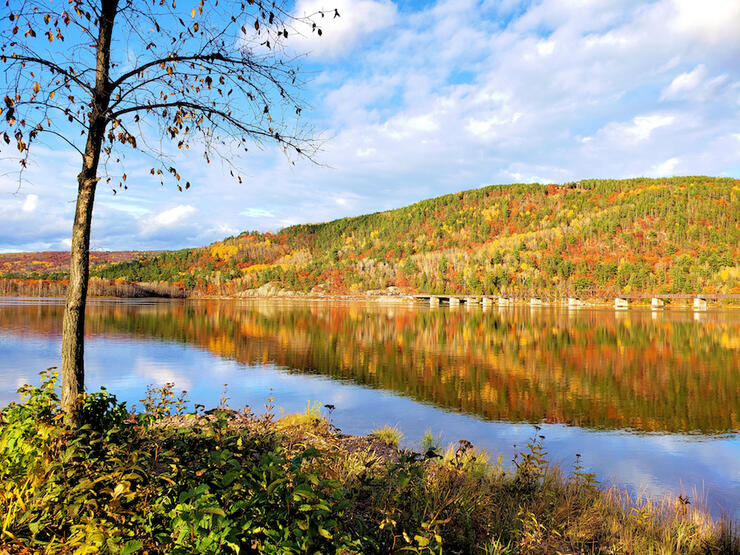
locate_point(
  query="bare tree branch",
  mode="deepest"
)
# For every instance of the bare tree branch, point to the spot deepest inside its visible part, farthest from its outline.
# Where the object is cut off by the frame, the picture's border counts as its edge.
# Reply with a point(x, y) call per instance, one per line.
point(214, 77)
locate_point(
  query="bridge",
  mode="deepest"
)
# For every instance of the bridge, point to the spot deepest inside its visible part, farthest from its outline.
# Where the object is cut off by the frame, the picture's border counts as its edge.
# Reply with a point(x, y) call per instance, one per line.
point(622, 301)
point(669, 296)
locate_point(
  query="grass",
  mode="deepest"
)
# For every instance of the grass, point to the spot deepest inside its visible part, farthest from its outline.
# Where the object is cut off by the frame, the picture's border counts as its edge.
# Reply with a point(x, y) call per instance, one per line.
point(166, 481)
point(390, 435)
point(309, 421)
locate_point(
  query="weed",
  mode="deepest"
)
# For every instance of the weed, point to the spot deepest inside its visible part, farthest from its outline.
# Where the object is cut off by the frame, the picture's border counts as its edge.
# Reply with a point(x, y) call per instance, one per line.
point(311, 420)
point(431, 445)
point(390, 435)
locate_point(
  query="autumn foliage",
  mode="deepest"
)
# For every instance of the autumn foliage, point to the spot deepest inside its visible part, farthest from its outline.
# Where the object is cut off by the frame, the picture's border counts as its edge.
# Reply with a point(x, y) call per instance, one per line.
point(591, 238)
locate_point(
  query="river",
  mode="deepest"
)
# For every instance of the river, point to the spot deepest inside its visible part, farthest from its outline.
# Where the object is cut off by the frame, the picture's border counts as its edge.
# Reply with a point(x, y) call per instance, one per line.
point(651, 400)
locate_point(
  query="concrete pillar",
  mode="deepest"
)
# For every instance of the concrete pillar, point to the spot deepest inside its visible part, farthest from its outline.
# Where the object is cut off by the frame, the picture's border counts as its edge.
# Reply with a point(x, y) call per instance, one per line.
point(433, 301)
point(700, 304)
point(621, 303)
point(454, 301)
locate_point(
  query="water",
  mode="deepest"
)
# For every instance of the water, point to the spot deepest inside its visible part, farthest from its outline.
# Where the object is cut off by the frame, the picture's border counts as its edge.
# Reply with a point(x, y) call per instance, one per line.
point(651, 400)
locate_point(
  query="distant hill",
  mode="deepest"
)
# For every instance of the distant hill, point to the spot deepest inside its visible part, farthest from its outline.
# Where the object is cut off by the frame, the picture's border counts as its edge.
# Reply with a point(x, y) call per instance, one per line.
point(51, 263)
point(677, 235)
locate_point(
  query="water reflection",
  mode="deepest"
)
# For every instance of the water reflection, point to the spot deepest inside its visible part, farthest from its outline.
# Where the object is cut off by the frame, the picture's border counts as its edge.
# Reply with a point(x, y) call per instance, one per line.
point(642, 371)
point(673, 380)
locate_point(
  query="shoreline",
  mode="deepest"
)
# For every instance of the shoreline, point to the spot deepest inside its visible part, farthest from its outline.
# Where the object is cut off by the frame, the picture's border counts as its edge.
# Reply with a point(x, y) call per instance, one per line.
point(298, 483)
point(409, 299)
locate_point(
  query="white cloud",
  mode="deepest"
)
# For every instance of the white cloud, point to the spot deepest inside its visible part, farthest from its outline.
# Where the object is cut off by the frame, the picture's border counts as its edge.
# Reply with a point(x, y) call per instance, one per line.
point(227, 230)
point(643, 126)
point(696, 86)
point(711, 21)
point(364, 152)
point(404, 126)
point(30, 204)
point(167, 219)
point(357, 19)
point(638, 129)
point(685, 82)
point(134, 209)
point(545, 47)
point(487, 127)
point(173, 216)
point(665, 169)
point(257, 213)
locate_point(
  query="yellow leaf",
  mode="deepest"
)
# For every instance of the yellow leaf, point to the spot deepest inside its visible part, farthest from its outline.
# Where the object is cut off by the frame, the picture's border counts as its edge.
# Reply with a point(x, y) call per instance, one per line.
point(118, 490)
point(51, 95)
point(36, 87)
point(192, 13)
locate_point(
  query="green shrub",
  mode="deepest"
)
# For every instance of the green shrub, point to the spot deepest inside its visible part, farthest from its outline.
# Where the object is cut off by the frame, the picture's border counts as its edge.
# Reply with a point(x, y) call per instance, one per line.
point(118, 484)
point(169, 482)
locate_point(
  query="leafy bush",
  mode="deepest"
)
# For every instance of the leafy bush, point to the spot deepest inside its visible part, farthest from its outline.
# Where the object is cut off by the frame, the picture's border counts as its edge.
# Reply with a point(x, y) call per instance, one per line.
point(165, 481)
point(121, 483)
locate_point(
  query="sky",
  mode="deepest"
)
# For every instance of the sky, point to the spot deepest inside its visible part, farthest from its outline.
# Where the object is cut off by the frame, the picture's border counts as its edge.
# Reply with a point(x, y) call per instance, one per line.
point(412, 100)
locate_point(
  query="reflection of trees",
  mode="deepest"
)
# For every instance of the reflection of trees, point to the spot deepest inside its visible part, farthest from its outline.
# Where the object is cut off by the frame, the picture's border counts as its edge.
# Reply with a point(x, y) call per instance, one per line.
point(590, 368)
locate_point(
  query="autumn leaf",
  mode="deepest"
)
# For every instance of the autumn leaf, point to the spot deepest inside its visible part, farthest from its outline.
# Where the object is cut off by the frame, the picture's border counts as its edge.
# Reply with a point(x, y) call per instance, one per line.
point(36, 87)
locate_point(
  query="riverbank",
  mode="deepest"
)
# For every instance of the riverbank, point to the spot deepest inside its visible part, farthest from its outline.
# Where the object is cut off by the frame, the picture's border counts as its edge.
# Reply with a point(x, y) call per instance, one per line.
point(101, 288)
point(167, 481)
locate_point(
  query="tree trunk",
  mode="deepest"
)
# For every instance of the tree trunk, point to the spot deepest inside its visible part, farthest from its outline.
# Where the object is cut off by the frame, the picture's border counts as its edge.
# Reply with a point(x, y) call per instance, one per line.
point(73, 327)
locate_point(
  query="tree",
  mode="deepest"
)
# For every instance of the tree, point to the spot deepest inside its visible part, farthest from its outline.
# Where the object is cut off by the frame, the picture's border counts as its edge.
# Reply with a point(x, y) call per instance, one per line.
point(112, 78)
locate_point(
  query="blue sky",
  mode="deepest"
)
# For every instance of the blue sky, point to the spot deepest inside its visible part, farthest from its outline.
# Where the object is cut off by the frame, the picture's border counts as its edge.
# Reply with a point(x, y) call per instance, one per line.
point(416, 99)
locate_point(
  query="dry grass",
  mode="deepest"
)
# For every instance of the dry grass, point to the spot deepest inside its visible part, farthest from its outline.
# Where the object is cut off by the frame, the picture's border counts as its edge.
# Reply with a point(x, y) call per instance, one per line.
point(390, 435)
point(470, 504)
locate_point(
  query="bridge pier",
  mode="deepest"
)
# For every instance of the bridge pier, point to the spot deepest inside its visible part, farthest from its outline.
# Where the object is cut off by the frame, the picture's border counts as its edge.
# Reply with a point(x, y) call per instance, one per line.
point(657, 301)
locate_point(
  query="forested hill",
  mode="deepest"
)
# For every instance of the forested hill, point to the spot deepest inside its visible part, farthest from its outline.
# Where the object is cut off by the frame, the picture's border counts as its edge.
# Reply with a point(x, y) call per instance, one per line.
point(678, 235)
point(56, 263)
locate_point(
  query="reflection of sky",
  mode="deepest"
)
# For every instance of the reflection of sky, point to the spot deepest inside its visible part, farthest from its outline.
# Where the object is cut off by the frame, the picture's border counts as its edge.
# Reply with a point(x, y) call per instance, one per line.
point(649, 464)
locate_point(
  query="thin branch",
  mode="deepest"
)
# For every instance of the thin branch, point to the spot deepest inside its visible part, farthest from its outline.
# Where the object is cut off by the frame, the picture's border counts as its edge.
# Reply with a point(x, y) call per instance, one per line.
point(196, 57)
point(53, 67)
point(250, 130)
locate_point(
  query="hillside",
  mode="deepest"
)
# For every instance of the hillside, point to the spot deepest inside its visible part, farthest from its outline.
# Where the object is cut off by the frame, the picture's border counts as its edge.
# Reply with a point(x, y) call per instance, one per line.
point(678, 235)
point(51, 263)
